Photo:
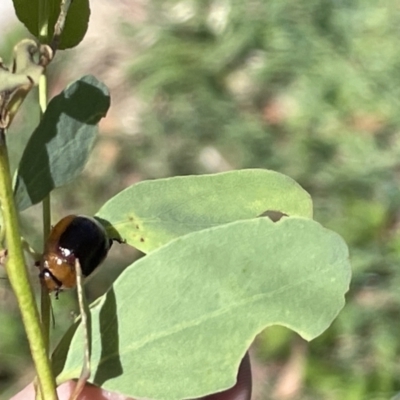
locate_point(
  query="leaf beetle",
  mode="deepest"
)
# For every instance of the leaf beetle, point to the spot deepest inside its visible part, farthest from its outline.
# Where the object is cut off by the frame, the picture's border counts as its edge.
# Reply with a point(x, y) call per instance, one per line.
point(73, 237)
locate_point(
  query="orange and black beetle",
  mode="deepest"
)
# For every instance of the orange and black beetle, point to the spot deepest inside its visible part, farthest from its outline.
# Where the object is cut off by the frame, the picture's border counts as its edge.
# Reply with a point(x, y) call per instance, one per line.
point(73, 237)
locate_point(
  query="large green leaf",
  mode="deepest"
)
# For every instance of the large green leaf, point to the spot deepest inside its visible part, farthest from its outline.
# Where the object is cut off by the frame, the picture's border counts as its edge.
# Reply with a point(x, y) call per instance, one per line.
point(151, 213)
point(59, 147)
point(76, 23)
point(180, 319)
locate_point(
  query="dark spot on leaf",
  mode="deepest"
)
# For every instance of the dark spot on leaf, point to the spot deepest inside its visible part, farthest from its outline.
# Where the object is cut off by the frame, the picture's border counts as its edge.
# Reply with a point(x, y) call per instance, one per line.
point(142, 239)
point(273, 215)
point(137, 226)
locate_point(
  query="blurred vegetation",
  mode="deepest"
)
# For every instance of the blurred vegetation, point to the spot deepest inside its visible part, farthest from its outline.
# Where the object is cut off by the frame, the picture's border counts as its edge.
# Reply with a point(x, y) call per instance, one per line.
point(309, 88)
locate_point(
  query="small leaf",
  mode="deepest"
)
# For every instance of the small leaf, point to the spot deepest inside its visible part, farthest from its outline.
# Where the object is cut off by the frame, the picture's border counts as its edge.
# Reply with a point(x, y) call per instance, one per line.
point(29, 62)
point(75, 26)
point(152, 213)
point(59, 147)
point(179, 320)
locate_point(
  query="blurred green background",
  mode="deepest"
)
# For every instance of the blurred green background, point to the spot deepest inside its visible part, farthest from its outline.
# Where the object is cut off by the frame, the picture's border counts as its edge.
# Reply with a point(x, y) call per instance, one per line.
point(310, 88)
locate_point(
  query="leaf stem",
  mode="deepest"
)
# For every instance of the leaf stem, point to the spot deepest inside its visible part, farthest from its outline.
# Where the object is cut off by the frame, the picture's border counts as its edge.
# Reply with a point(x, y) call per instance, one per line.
point(19, 280)
point(59, 26)
point(86, 323)
point(45, 305)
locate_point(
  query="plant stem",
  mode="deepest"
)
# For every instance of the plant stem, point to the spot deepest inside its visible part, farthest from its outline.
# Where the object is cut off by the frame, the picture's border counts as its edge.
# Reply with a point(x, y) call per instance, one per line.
point(19, 280)
point(43, 20)
point(45, 305)
point(44, 298)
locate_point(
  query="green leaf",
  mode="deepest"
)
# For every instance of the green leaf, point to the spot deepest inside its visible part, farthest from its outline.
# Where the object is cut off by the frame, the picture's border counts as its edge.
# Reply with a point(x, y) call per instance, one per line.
point(179, 320)
point(152, 213)
point(75, 26)
point(59, 147)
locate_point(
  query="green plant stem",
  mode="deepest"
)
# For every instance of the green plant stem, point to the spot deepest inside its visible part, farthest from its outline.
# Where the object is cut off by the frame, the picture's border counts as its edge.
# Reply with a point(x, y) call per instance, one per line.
point(43, 21)
point(45, 305)
point(19, 280)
